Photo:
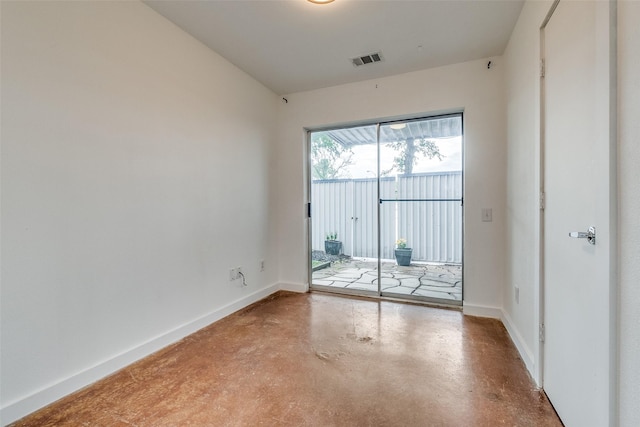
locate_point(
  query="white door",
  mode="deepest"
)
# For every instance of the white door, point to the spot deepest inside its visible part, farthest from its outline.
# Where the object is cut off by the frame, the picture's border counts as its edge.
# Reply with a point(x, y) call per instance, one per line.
point(577, 280)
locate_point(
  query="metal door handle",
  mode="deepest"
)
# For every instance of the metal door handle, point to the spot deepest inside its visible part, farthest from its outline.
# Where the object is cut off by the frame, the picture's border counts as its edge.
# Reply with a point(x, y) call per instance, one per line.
point(590, 235)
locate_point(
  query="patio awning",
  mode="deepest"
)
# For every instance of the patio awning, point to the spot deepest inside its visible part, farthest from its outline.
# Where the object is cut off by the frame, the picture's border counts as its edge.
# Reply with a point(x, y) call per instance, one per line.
point(443, 127)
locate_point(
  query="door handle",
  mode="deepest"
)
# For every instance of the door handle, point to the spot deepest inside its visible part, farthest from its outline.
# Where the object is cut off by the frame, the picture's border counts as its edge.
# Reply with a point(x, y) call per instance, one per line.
point(590, 235)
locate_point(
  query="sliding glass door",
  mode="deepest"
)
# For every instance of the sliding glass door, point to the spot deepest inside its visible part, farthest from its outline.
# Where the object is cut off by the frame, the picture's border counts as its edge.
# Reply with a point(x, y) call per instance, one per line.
point(421, 209)
point(386, 202)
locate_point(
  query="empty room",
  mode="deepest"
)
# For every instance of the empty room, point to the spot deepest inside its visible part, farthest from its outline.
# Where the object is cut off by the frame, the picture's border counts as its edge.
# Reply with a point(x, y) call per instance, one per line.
point(320, 212)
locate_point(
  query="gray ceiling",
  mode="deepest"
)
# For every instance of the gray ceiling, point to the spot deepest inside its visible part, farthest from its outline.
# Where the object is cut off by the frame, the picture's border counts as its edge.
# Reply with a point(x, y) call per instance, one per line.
point(432, 128)
point(294, 45)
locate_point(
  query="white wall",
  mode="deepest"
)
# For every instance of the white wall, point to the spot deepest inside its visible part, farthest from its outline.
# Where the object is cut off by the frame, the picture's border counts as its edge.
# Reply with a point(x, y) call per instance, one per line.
point(629, 209)
point(118, 128)
point(522, 58)
point(135, 173)
point(469, 86)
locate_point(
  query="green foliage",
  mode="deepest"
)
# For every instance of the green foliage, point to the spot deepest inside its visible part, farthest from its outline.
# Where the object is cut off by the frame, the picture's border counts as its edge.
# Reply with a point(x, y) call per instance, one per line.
point(315, 263)
point(329, 157)
point(401, 243)
point(332, 236)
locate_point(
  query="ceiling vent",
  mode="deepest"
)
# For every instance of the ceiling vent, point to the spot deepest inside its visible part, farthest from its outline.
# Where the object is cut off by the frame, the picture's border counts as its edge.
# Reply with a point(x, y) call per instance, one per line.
point(366, 59)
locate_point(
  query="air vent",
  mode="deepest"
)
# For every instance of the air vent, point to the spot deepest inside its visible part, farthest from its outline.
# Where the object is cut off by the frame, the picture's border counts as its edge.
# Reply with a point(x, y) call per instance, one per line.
point(366, 59)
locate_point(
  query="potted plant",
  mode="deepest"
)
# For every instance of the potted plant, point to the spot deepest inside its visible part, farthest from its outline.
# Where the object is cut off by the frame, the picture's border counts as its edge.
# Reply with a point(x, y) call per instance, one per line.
point(402, 252)
point(332, 245)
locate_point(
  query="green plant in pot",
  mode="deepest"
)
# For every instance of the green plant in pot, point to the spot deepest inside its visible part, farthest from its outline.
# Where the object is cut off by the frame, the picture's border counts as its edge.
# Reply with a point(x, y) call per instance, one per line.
point(332, 245)
point(402, 252)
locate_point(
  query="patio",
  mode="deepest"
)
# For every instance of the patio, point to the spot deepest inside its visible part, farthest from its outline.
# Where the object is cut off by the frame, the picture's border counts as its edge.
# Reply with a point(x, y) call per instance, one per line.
point(431, 280)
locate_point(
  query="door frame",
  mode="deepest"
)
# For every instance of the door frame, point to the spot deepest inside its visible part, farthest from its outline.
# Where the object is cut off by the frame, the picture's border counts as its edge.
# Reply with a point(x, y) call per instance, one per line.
point(308, 209)
point(606, 15)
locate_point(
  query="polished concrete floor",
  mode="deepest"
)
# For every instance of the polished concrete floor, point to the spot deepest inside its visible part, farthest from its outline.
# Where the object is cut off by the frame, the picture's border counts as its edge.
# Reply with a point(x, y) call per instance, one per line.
point(320, 360)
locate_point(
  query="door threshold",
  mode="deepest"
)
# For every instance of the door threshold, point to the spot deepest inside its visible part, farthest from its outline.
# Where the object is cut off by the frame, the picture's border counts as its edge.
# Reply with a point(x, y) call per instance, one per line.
point(368, 296)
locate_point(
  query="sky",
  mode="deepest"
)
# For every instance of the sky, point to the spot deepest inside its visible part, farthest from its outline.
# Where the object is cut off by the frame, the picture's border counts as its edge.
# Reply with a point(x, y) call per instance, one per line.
point(364, 159)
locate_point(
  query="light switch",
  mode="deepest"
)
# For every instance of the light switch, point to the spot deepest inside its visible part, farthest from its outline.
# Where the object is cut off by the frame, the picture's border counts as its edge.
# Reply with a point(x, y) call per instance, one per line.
point(487, 215)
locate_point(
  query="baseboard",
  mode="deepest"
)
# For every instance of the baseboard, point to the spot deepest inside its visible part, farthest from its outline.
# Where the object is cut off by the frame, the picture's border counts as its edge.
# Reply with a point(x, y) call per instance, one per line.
point(49, 394)
point(294, 287)
point(514, 334)
point(518, 341)
point(482, 311)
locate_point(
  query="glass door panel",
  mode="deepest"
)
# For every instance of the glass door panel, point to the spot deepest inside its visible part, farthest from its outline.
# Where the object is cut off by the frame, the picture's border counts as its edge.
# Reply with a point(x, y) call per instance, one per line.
point(421, 209)
point(344, 195)
point(386, 204)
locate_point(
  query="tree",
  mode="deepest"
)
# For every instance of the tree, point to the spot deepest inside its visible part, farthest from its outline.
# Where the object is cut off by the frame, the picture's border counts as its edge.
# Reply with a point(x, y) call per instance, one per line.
point(409, 150)
point(329, 158)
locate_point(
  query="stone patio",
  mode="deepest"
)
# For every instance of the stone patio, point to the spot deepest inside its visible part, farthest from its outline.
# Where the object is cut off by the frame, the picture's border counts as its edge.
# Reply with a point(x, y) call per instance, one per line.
point(439, 281)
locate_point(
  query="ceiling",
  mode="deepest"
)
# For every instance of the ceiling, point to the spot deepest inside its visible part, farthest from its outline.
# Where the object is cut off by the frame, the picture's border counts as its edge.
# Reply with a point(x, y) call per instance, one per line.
point(294, 45)
point(432, 128)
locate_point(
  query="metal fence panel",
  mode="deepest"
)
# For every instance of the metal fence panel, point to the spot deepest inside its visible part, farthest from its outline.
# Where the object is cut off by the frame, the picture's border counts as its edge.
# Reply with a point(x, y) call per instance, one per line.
point(349, 208)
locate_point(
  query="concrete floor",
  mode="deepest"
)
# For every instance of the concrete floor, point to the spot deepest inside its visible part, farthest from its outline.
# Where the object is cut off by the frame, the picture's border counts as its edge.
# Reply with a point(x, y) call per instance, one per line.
point(320, 360)
point(437, 281)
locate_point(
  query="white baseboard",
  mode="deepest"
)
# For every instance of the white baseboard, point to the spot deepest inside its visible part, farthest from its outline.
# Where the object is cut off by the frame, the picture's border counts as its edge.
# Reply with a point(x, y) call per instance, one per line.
point(294, 287)
point(18, 409)
point(482, 311)
point(521, 346)
point(15, 410)
point(514, 334)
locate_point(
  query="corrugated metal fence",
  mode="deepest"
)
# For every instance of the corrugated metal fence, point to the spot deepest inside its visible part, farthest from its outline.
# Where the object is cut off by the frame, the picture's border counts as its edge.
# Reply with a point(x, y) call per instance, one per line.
point(348, 207)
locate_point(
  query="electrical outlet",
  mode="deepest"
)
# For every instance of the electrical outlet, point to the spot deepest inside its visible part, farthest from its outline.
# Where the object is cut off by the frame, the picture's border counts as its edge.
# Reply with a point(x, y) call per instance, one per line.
point(516, 294)
point(487, 215)
point(261, 265)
